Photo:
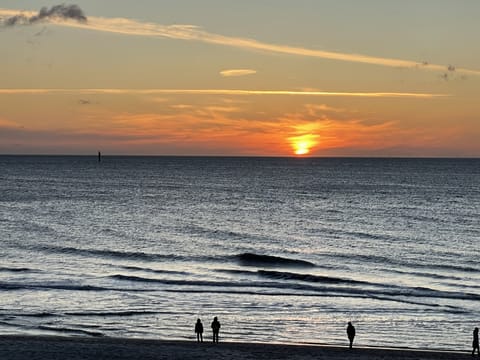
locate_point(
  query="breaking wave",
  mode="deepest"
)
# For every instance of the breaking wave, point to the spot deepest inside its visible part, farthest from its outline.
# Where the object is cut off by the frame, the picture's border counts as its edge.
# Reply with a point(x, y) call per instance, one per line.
point(332, 288)
point(15, 269)
point(251, 259)
point(5, 286)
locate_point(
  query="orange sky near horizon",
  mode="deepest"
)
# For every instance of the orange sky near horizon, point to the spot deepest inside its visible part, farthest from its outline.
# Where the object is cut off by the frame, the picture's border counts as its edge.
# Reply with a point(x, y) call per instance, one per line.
point(147, 85)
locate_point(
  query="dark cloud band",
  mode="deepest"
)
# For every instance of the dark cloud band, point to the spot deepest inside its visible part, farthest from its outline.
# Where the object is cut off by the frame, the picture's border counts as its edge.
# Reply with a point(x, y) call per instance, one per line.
point(64, 12)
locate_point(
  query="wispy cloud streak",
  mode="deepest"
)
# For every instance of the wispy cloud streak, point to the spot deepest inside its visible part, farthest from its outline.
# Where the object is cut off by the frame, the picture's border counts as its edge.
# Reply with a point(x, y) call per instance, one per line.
point(237, 72)
point(189, 32)
point(218, 92)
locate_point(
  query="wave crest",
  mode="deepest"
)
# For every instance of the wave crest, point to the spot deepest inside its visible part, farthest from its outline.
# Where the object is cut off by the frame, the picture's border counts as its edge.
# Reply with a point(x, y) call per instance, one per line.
point(252, 259)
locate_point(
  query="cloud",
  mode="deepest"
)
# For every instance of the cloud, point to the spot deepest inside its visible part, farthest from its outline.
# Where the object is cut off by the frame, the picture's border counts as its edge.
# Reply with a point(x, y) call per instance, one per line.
point(57, 12)
point(160, 99)
point(181, 106)
point(194, 33)
point(219, 92)
point(450, 74)
point(314, 108)
point(237, 72)
point(445, 77)
point(212, 128)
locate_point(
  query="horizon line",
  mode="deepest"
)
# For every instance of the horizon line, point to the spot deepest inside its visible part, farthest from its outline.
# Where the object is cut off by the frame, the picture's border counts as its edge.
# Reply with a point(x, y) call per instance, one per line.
point(95, 155)
point(233, 92)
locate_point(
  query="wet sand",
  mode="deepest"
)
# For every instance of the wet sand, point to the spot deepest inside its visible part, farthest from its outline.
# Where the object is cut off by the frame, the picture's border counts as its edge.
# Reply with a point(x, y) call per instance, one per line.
point(46, 347)
point(50, 348)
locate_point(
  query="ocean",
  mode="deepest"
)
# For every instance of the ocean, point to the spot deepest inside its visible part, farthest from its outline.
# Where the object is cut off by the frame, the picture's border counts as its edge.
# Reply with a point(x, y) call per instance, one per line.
point(283, 250)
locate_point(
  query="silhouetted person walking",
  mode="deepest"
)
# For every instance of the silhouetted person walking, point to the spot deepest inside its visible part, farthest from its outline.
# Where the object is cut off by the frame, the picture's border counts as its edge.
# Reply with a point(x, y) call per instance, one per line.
point(215, 329)
point(475, 342)
point(199, 330)
point(350, 333)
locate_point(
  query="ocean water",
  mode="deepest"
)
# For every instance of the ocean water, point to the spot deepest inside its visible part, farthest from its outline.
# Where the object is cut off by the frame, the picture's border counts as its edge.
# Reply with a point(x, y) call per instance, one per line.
point(280, 249)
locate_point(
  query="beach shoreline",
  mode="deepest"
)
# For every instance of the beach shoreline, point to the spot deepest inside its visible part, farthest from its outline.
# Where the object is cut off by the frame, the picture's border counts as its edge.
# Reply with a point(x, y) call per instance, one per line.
point(23, 347)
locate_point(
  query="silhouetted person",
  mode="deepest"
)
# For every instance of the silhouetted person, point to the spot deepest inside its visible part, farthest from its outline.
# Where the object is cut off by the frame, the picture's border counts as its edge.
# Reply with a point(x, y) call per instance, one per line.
point(199, 330)
point(350, 333)
point(215, 329)
point(475, 342)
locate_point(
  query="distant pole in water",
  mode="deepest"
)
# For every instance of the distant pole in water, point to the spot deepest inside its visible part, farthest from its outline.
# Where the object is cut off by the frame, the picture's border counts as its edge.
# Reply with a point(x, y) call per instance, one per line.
point(99, 156)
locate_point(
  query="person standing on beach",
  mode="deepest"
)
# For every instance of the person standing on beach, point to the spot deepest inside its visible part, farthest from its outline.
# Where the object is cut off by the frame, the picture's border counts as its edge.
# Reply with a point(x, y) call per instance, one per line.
point(351, 333)
point(475, 342)
point(215, 329)
point(199, 330)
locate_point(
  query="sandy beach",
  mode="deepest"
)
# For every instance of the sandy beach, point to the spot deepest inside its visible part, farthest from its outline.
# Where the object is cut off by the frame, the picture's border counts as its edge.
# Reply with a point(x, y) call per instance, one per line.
point(42, 347)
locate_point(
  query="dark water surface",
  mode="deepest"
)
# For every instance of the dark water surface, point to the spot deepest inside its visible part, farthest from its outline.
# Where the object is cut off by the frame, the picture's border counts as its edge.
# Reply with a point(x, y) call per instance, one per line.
point(280, 249)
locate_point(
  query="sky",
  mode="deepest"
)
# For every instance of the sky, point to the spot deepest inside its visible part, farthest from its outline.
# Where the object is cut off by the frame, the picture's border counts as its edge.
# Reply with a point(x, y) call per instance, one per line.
point(240, 78)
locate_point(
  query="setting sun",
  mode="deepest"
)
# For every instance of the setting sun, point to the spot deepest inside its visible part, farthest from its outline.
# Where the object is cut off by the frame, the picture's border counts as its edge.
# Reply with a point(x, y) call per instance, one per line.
point(302, 149)
point(303, 144)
